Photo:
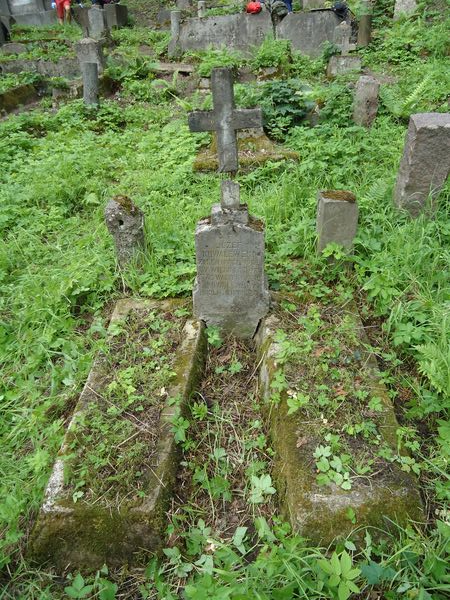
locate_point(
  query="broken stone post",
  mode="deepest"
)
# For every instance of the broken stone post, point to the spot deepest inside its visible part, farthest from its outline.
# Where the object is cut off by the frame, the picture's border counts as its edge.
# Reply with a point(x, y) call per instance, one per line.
point(337, 219)
point(365, 24)
point(404, 8)
point(96, 22)
point(342, 33)
point(201, 9)
point(89, 50)
point(365, 105)
point(125, 222)
point(425, 164)
point(175, 23)
point(231, 288)
point(89, 71)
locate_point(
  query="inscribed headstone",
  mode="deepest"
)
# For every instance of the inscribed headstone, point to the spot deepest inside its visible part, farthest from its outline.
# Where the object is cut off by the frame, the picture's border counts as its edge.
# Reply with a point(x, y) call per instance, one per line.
point(337, 218)
point(365, 105)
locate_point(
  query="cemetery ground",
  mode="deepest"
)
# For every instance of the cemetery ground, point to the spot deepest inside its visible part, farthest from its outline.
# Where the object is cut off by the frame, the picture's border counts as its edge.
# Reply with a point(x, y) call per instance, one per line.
point(59, 284)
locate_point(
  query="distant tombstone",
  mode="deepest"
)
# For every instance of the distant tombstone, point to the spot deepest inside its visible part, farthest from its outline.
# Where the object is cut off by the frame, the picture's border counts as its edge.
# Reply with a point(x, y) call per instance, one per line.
point(337, 219)
point(96, 22)
point(201, 9)
point(225, 119)
point(346, 63)
point(365, 24)
point(183, 4)
point(174, 49)
point(125, 222)
point(425, 164)
point(309, 4)
point(81, 16)
point(342, 33)
point(89, 50)
point(89, 71)
point(404, 8)
point(230, 289)
point(116, 15)
point(365, 105)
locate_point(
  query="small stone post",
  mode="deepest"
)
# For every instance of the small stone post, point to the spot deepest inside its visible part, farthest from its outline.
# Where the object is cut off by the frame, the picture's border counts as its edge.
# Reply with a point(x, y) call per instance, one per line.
point(365, 105)
point(425, 164)
point(337, 219)
point(201, 9)
point(89, 71)
point(125, 222)
point(175, 23)
point(96, 22)
point(365, 24)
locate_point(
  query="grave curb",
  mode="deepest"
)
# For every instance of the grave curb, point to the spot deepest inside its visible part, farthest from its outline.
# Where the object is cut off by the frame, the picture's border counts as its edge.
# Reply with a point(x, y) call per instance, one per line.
point(319, 513)
point(83, 536)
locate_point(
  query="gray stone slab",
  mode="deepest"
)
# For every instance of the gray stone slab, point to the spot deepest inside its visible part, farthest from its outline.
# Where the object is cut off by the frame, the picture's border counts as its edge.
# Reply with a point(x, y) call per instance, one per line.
point(89, 71)
point(319, 512)
point(337, 219)
point(45, 17)
point(237, 32)
point(116, 15)
point(19, 7)
point(125, 222)
point(340, 65)
point(96, 22)
point(89, 50)
point(65, 67)
point(309, 4)
point(404, 8)
point(81, 16)
point(230, 289)
point(308, 31)
point(425, 164)
point(13, 48)
point(365, 105)
point(85, 535)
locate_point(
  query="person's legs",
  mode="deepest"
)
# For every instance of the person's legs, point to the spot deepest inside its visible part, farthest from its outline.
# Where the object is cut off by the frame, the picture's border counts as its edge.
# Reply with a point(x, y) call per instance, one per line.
point(67, 12)
point(60, 11)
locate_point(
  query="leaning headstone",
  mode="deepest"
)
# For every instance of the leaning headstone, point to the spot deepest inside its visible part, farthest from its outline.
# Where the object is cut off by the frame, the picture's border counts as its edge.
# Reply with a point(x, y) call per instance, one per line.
point(404, 8)
point(365, 106)
point(337, 219)
point(89, 71)
point(89, 50)
point(425, 164)
point(96, 22)
point(231, 288)
point(125, 222)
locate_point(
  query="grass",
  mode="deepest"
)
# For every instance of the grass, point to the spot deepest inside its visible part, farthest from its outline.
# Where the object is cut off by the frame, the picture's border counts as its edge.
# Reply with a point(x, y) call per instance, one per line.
point(58, 280)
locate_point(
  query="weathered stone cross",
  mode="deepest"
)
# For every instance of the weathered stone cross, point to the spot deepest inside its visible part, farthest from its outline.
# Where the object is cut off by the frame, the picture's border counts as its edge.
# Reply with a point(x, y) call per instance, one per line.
point(225, 119)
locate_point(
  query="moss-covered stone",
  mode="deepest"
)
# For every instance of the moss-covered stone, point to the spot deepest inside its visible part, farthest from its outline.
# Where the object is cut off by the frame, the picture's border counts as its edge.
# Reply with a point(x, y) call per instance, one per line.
point(320, 513)
point(87, 535)
point(17, 96)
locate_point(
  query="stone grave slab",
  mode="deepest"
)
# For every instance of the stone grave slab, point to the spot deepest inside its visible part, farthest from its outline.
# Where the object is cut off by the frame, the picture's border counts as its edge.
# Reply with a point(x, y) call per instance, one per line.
point(337, 219)
point(20, 95)
point(318, 509)
point(89, 50)
point(96, 22)
point(121, 523)
point(365, 104)
point(308, 31)
point(125, 222)
point(404, 8)
point(238, 32)
point(425, 163)
point(116, 15)
point(341, 65)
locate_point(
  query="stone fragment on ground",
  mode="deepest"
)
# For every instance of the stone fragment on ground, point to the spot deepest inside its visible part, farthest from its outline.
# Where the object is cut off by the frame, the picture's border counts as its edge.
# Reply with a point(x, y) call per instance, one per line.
point(121, 523)
point(322, 499)
point(345, 63)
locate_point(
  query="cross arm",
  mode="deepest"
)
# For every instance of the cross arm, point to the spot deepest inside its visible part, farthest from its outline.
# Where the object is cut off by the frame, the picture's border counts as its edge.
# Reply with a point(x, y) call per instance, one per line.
point(201, 120)
point(246, 118)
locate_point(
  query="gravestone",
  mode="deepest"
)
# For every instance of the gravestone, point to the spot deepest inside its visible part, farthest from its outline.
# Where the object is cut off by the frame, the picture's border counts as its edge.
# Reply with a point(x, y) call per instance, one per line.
point(342, 64)
point(96, 22)
point(201, 9)
point(116, 15)
point(365, 24)
point(309, 4)
point(365, 106)
point(225, 119)
point(337, 219)
point(425, 164)
point(342, 33)
point(81, 16)
point(308, 31)
point(125, 222)
point(230, 289)
point(175, 24)
point(89, 71)
point(89, 50)
point(404, 8)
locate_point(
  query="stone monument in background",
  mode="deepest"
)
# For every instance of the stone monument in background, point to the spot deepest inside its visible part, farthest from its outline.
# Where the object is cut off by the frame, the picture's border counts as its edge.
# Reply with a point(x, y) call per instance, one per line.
point(231, 287)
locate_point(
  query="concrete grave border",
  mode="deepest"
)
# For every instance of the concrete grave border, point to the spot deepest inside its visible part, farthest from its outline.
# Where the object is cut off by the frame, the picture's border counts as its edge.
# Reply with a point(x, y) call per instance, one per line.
point(88, 536)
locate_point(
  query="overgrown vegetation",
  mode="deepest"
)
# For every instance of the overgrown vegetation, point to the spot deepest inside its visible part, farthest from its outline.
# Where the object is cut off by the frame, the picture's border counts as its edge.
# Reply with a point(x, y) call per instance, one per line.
point(58, 279)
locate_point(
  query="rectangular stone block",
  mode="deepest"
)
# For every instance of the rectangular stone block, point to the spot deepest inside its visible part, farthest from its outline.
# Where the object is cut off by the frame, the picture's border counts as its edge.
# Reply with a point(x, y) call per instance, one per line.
point(231, 289)
point(236, 32)
point(116, 15)
point(340, 65)
point(337, 219)
point(89, 529)
point(308, 31)
point(316, 508)
point(404, 8)
point(425, 163)
point(89, 50)
point(96, 22)
point(365, 104)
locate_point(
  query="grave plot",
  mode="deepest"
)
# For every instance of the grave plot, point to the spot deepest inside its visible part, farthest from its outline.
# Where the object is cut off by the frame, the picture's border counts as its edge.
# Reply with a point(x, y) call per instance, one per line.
point(332, 423)
point(109, 506)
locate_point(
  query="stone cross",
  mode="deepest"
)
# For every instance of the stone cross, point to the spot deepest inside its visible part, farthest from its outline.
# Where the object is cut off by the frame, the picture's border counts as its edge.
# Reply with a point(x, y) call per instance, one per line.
point(225, 119)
